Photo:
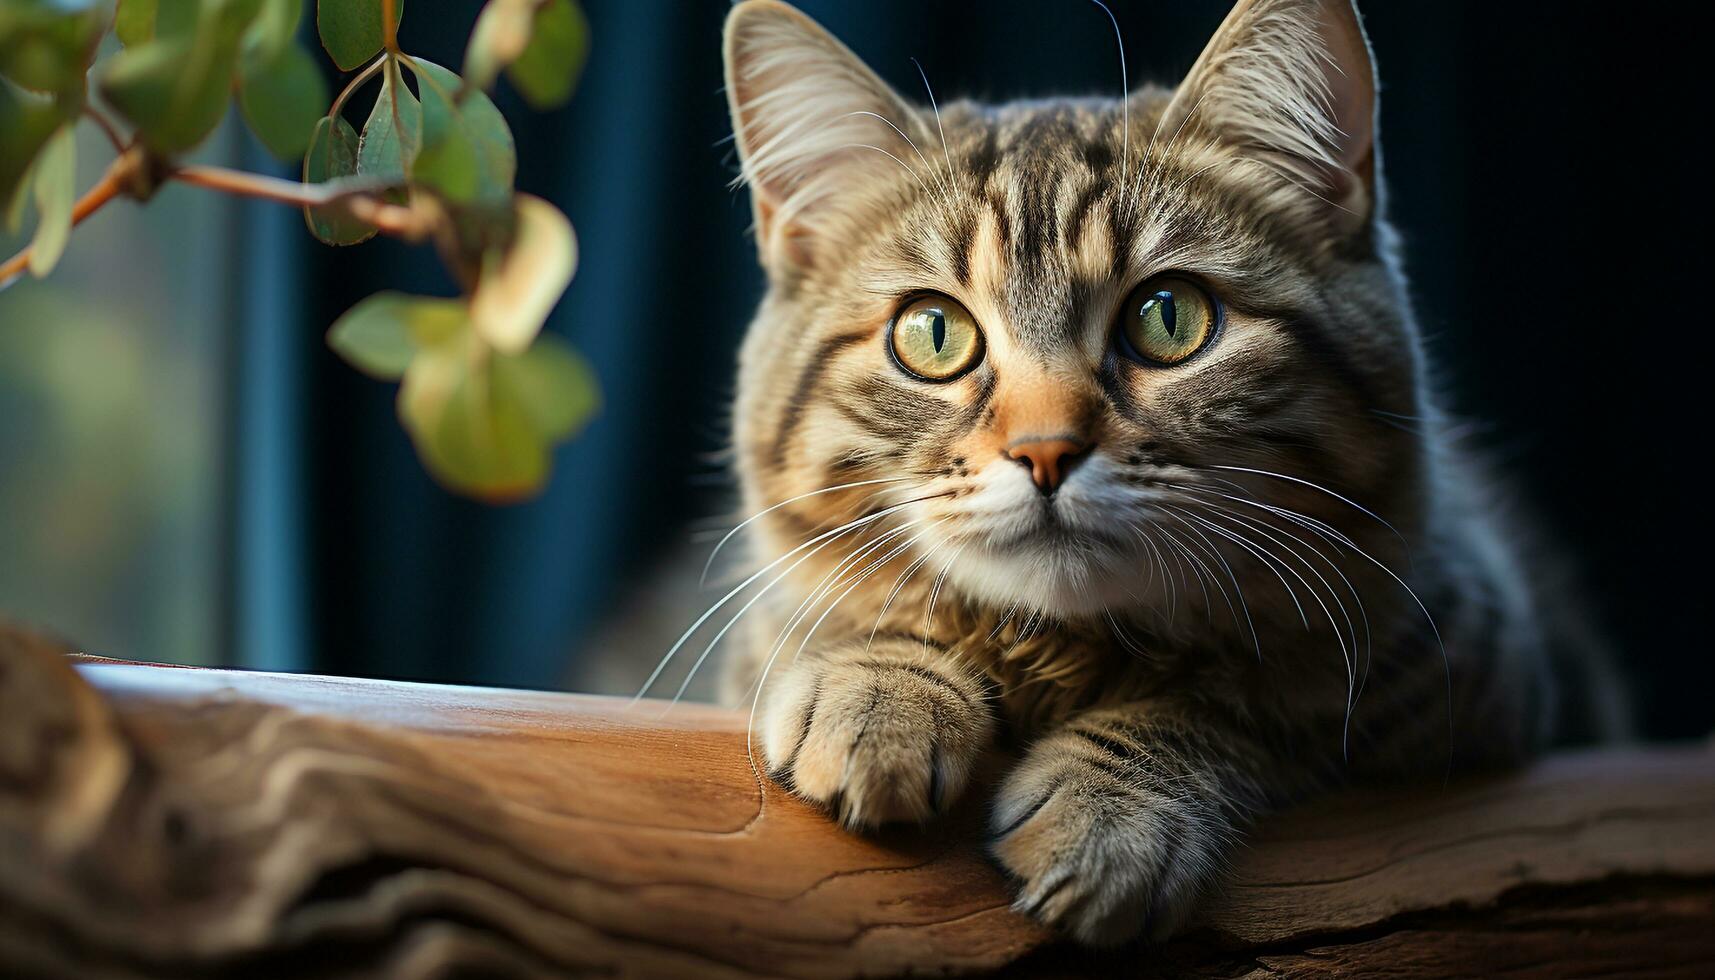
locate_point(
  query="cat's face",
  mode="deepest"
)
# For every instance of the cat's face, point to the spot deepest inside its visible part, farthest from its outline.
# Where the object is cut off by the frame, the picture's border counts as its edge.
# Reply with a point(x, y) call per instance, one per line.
point(1061, 329)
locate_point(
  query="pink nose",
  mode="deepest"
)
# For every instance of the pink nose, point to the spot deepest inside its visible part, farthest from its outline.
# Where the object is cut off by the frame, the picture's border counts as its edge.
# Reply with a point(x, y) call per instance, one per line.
point(1049, 460)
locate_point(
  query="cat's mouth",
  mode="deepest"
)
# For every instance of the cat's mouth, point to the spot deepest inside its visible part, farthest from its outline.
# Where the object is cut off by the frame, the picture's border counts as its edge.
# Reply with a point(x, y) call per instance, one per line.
point(1069, 554)
point(1059, 524)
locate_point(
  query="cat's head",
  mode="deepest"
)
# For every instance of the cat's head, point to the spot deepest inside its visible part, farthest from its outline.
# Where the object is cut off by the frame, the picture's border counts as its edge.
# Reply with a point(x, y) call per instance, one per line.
point(1063, 328)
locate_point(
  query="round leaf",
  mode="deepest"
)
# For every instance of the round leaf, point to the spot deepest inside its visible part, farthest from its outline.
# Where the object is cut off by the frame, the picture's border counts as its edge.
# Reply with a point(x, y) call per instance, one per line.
point(27, 121)
point(17, 205)
point(56, 188)
point(548, 68)
point(273, 30)
point(134, 22)
point(174, 90)
point(351, 29)
point(501, 32)
point(486, 443)
point(380, 335)
point(474, 435)
point(554, 384)
point(394, 132)
point(333, 154)
point(283, 101)
point(180, 18)
point(47, 45)
point(519, 287)
point(467, 153)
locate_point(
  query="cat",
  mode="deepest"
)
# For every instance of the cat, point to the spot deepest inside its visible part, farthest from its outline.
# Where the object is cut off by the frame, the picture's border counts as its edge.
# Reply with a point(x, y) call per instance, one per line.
point(1100, 430)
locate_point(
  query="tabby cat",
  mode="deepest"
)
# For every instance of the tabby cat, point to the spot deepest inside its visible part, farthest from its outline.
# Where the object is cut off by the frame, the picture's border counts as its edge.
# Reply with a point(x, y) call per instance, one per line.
point(1097, 432)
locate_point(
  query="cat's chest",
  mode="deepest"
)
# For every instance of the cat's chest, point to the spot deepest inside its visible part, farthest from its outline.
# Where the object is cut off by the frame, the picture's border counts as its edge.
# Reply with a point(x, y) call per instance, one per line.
point(1041, 670)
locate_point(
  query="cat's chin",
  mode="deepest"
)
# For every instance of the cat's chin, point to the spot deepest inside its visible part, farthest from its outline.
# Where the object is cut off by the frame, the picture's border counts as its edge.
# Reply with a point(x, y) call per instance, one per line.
point(1056, 575)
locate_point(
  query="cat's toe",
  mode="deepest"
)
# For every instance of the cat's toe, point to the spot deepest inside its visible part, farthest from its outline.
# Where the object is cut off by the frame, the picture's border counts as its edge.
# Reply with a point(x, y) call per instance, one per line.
point(1098, 855)
point(875, 739)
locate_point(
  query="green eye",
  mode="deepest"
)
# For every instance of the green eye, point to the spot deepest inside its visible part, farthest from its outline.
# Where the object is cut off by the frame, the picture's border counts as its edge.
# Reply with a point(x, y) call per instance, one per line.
point(936, 338)
point(1166, 320)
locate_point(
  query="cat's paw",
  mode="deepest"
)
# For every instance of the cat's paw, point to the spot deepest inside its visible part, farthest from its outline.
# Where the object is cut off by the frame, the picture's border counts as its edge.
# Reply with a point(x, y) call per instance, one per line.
point(1104, 844)
point(877, 735)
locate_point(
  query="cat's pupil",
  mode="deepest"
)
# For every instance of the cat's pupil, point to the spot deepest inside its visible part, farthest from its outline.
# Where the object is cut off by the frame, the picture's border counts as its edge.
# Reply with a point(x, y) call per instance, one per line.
point(1169, 315)
point(938, 329)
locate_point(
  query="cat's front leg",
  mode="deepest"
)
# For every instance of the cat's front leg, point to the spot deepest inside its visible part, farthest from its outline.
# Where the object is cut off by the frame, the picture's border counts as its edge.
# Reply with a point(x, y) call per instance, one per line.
point(878, 732)
point(1117, 822)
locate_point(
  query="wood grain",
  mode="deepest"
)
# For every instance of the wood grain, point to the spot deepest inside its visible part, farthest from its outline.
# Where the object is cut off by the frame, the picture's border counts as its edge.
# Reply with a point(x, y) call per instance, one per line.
point(171, 822)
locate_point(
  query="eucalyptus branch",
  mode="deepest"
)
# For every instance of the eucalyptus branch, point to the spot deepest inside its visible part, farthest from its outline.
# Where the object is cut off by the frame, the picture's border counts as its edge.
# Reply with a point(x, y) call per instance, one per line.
point(435, 166)
point(359, 197)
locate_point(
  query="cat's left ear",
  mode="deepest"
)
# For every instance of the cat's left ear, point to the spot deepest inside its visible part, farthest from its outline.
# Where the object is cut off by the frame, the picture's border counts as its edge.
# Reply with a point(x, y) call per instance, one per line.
point(1293, 82)
point(819, 135)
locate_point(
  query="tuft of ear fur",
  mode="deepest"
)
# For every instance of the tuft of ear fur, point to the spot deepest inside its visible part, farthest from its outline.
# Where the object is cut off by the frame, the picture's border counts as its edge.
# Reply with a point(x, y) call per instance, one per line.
point(814, 126)
point(1292, 81)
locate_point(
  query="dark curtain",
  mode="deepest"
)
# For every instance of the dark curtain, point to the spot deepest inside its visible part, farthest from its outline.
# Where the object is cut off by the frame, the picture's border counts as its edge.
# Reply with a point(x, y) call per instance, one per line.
point(1540, 174)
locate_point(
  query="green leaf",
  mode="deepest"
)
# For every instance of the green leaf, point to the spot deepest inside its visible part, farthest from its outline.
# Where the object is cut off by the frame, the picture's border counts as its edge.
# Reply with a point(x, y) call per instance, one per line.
point(555, 385)
point(27, 120)
point(220, 23)
point(135, 21)
point(519, 286)
point(471, 427)
point(56, 188)
point(351, 29)
point(380, 335)
point(502, 30)
point(393, 134)
point(540, 43)
point(47, 45)
point(333, 154)
point(283, 101)
point(13, 219)
point(487, 443)
point(467, 153)
point(273, 30)
point(547, 71)
point(174, 90)
point(180, 18)
point(447, 160)
point(484, 422)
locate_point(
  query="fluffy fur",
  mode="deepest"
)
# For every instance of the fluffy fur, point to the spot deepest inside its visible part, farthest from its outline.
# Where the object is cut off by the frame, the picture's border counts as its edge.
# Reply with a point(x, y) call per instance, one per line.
point(1272, 572)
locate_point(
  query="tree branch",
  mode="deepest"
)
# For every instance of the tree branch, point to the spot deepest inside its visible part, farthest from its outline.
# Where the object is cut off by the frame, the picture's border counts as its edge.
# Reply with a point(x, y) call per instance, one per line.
point(168, 822)
point(360, 198)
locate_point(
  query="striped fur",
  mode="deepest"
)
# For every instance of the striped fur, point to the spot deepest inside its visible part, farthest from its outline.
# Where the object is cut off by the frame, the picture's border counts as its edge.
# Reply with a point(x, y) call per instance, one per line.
point(1229, 603)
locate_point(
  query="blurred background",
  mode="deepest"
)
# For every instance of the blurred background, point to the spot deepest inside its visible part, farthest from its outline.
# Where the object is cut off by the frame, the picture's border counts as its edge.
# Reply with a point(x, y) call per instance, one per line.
point(187, 474)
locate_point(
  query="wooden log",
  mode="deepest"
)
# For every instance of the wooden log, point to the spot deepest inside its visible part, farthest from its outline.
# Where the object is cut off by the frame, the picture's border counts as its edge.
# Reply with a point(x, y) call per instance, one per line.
point(173, 822)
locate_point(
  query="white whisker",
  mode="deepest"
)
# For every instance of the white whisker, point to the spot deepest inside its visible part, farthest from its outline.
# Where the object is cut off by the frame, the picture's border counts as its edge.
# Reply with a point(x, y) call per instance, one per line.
point(656, 674)
point(790, 500)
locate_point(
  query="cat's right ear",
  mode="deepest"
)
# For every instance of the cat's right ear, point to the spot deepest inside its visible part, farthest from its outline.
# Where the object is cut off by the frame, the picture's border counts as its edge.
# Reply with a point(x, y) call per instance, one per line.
point(814, 127)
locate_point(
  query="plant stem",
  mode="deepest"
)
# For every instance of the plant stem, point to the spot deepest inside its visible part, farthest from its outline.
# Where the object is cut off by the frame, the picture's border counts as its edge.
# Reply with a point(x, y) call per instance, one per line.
point(106, 127)
point(389, 26)
point(112, 183)
point(356, 82)
point(392, 219)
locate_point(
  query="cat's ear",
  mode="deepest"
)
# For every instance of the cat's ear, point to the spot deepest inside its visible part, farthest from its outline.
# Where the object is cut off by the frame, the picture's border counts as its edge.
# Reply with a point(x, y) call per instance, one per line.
point(1291, 81)
point(814, 126)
